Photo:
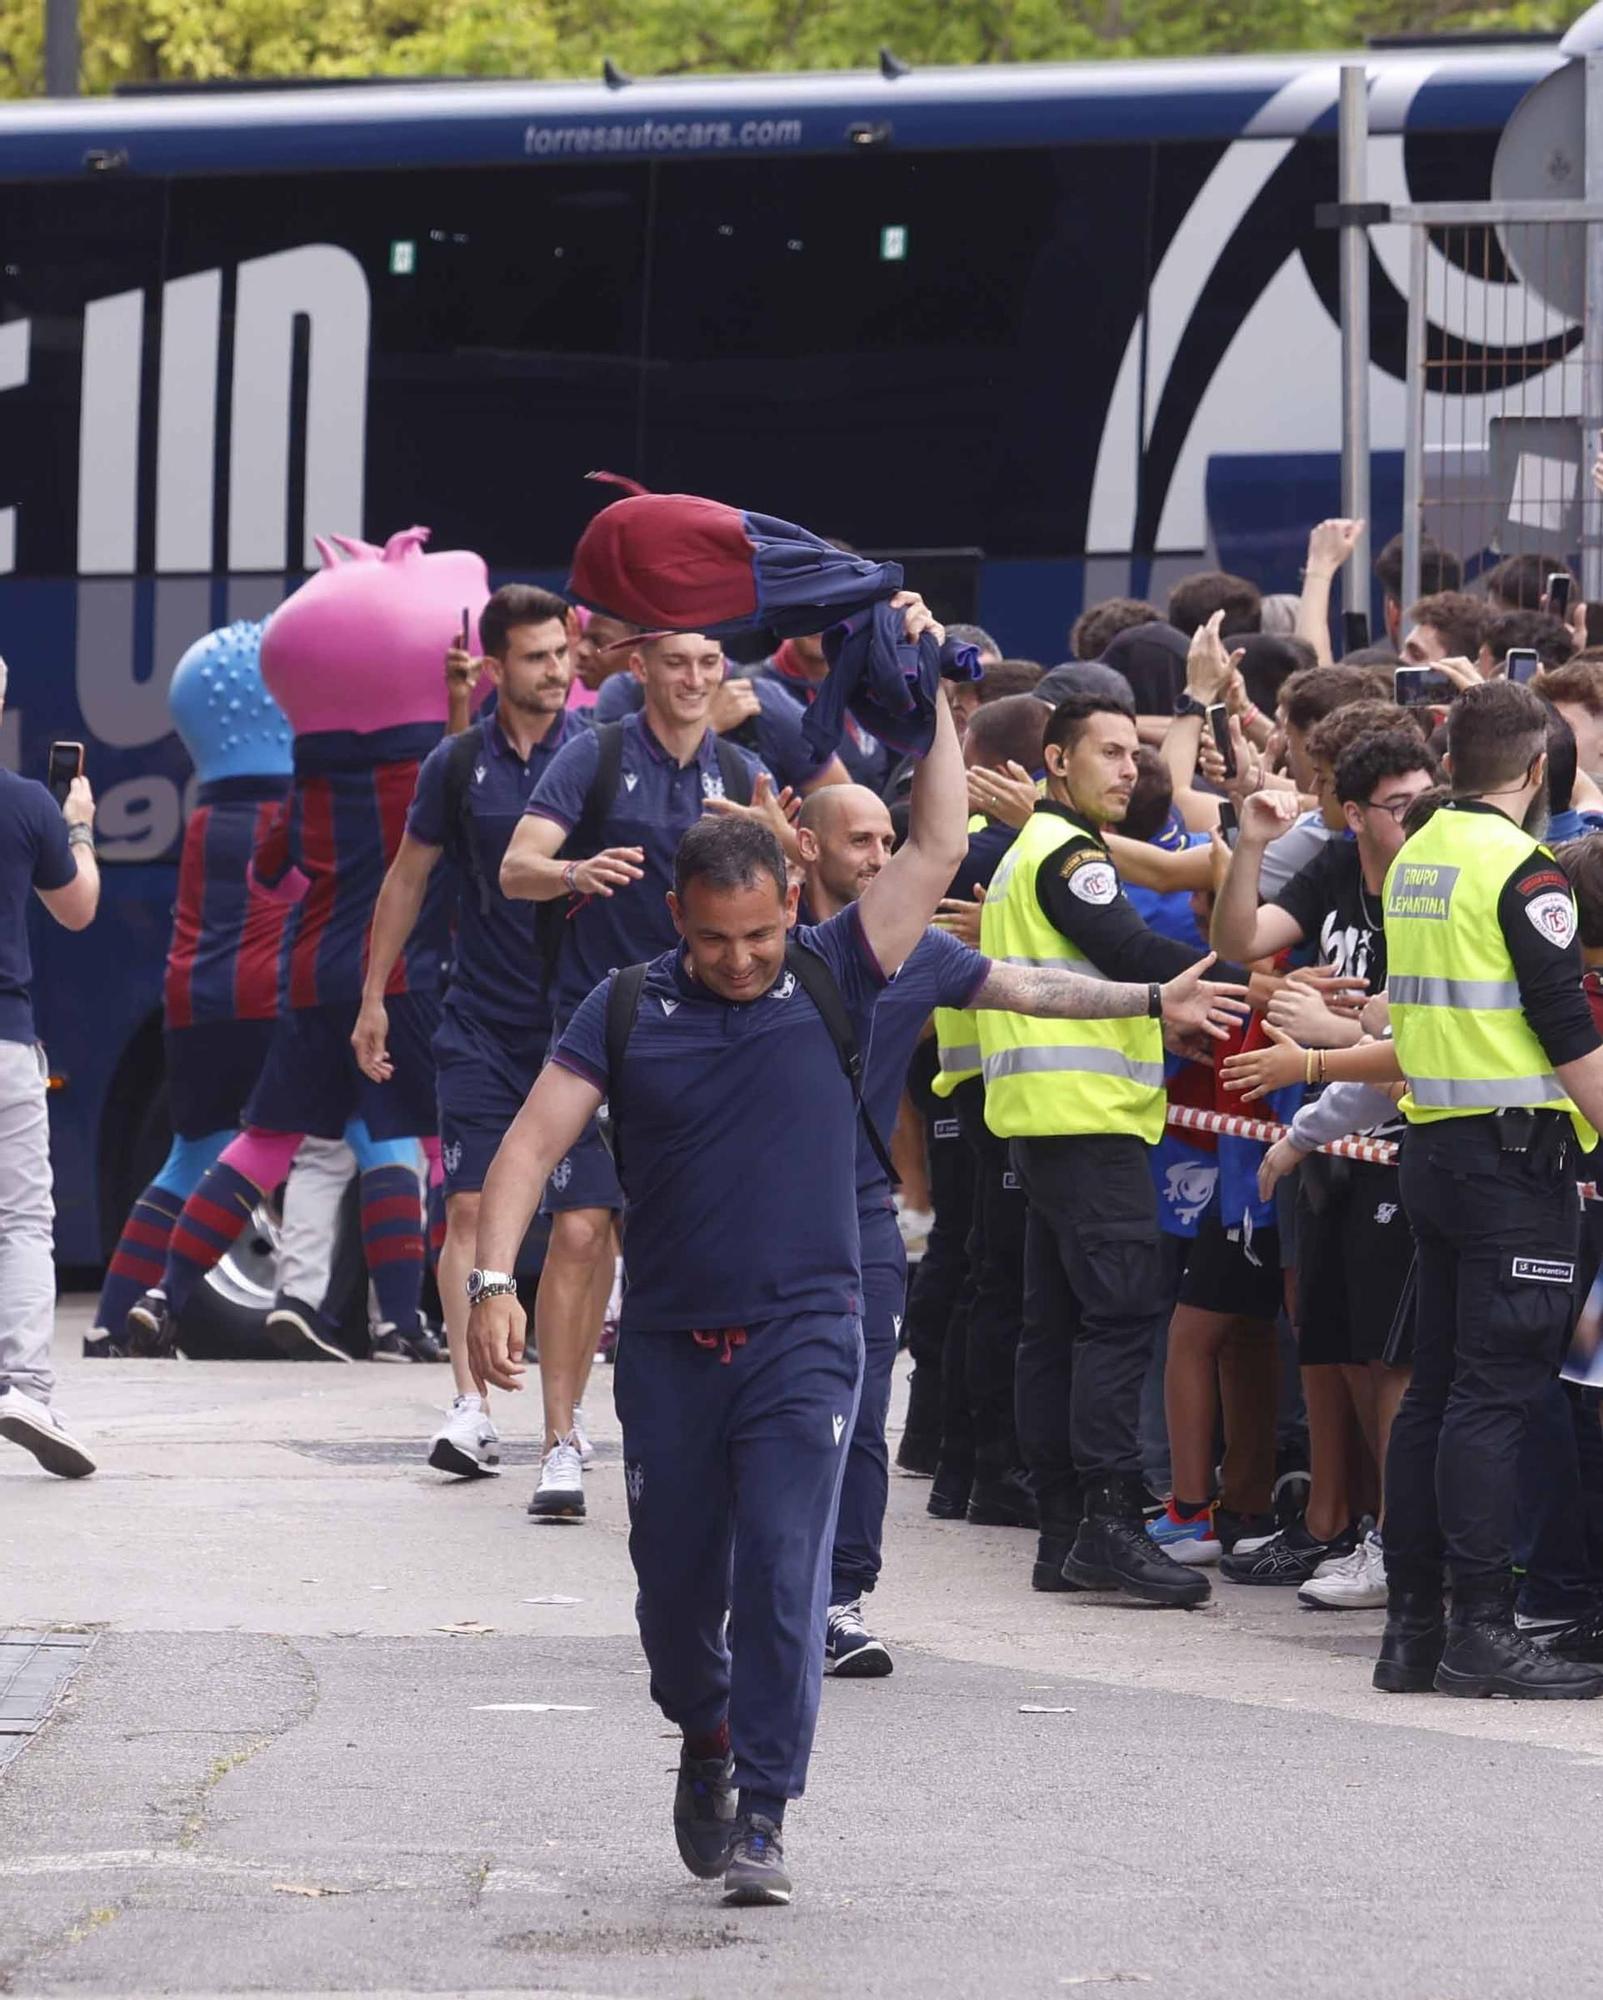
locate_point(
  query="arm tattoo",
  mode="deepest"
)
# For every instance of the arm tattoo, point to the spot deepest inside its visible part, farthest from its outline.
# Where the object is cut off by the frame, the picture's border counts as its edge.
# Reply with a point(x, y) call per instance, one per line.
point(1064, 996)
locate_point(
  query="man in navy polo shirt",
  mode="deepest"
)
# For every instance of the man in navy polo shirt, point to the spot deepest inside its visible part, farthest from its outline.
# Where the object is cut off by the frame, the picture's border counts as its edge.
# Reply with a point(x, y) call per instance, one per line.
point(846, 839)
point(755, 713)
point(495, 1026)
point(613, 879)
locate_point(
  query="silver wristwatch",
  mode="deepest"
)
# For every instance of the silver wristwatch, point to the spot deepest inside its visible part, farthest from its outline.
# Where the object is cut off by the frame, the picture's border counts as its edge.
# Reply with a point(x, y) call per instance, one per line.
point(489, 1285)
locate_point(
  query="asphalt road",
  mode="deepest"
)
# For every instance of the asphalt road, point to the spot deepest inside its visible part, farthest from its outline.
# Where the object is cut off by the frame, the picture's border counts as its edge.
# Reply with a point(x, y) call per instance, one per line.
point(277, 1771)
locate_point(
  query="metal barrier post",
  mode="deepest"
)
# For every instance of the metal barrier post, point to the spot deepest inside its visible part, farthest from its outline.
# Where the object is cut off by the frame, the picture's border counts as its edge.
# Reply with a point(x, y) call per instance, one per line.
point(1354, 181)
point(1414, 414)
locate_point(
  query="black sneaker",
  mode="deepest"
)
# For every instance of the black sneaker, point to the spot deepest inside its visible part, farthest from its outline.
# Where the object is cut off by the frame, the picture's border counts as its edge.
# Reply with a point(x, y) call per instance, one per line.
point(756, 1871)
point(1229, 1528)
point(385, 1344)
point(1115, 1552)
point(425, 1344)
point(150, 1326)
point(704, 1813)
point(851, 1652)
point(299, 1332)
point(949, 1493)
point(1008, 1502)
point(103, 1346)
point(1290, 1557)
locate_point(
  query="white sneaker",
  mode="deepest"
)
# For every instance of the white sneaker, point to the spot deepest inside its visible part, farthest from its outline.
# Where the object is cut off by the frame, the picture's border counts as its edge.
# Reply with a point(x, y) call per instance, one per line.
point(1355, 1583)
point(560, 1494)
point(39, 1429)
point(467, 1443)
point(587, 1450)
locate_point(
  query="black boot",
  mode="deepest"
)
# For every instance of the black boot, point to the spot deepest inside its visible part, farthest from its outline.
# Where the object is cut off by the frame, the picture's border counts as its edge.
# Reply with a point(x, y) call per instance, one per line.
point(920, 1448)
point(1486, 1655)
point(1060, 1511)
point(1007, 1501)
point(949, 1492)
point(1113, 1551)
point(1411, 1645)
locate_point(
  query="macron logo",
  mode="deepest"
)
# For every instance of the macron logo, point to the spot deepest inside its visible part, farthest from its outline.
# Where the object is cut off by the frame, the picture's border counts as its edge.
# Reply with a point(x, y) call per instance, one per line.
point(630, 780)
point(839, 1425)
point(668, 1006)
point(896, 1322)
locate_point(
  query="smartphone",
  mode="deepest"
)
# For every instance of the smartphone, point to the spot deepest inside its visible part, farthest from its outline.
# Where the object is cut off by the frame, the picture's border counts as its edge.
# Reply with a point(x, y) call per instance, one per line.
point(1558, 595)
point(1354, 631)
point(66, 763)
point(1524, 664)
point(1219, 723)
point(467, 625)
point(1229, 824)
point(1422, 687)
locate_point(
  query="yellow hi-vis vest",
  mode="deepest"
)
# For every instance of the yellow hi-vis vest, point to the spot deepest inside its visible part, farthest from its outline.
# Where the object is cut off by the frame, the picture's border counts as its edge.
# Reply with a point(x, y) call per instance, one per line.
point(1463, 1041)
point(957, 1029)
point(1048, 1079)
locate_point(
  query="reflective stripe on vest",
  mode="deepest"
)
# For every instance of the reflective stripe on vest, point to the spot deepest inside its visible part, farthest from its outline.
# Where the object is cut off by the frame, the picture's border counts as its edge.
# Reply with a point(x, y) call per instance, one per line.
point(1046, 1078)
point(957, 1029)
point(1462, 1038)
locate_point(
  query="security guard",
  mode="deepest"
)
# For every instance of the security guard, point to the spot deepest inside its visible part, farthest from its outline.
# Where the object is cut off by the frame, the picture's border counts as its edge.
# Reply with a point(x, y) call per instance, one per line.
point(1082, 1101)
point(1505, 1086)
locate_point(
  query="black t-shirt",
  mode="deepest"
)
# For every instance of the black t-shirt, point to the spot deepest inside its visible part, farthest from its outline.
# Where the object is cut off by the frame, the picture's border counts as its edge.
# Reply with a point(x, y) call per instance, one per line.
point(1338, 915)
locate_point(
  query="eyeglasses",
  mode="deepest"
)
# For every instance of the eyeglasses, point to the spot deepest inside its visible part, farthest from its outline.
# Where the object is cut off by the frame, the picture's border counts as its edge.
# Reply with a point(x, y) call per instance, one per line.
point(1395, 809)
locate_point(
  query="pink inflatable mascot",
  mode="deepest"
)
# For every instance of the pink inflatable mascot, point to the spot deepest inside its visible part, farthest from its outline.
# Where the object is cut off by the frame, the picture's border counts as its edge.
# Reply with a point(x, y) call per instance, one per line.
point(354, 659)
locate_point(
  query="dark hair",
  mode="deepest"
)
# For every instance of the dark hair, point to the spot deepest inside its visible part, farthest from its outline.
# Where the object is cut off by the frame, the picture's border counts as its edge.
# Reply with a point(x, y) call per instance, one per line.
point(1086, 677)
point(1460, 619)
point(727, 854)
point(1424, 809)
point(1011, 728)
point(1520, 582)
point(1562, 760)
point(1582, 861)
point(1370, 656)
point(1308, 697)
point(1194, 600)
point(1067, 722)
point(1152, 798)
point(1551, 638)
point(1495, 732)
point(1268, 661)
point(1578, 681)
point(516, 604)
point(975, 636)
point(1009, 677)
point(1330, 739)
point(1439, 568)
point(1099, 623)
point(1382, 753)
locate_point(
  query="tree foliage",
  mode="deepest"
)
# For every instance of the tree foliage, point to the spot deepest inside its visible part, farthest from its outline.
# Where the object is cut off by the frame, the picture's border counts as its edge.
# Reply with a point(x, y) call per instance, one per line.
point(150, 40)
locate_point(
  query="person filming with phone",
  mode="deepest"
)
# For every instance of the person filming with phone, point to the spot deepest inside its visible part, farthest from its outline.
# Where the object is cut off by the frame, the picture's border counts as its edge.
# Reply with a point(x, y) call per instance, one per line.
point(46, 850)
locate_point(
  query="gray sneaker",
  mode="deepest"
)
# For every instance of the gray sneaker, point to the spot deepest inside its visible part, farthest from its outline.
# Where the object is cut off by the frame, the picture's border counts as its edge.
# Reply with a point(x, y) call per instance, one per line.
point(37, 1428)
point(756, 1871)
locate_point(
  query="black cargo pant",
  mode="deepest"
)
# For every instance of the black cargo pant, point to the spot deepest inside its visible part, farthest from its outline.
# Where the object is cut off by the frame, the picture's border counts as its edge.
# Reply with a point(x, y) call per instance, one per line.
point(1497, 1234)
point(1095, 1300)
point(996, 1275)
point(937, 1301)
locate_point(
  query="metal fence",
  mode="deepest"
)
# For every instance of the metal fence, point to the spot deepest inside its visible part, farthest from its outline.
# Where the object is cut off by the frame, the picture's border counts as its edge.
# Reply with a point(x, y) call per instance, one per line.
point(1504, 396)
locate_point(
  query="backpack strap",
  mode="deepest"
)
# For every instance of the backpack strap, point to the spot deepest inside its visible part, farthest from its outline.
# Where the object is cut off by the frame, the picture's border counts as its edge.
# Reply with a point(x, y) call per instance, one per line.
point(734, 771)
point(623, 1010)
point(820, 986)
point(550, 918)
point(461, 840)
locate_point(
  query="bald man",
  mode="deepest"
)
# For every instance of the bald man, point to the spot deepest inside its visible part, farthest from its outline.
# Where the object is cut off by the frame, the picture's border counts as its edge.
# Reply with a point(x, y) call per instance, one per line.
point(845, 839)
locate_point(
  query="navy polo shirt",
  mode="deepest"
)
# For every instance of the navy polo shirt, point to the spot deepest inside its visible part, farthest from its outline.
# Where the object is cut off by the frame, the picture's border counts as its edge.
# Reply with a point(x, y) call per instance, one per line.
point(776, 727)
point(656, 803)
point(739, 1140)
point(497, 975)
point(939, 972)
point(34, 854)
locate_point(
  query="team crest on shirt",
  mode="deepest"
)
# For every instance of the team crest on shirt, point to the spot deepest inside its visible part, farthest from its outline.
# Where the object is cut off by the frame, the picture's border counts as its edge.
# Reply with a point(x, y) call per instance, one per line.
point(784, 988)
point(561, 1174)
point(451, 1157)
point(712, 786)
point(1554, 917)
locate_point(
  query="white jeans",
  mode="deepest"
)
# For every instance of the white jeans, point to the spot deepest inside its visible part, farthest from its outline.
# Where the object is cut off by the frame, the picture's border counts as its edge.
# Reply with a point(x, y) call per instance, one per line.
point(27, 1222)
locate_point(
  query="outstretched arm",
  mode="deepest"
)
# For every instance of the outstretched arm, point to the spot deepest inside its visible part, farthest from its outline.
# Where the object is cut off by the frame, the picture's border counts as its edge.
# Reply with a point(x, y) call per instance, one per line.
point(1189, 1002)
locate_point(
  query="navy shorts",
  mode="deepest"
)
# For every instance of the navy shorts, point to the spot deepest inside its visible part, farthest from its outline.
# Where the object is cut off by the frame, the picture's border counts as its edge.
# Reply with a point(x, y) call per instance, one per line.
point(482, 1075)
point(1354, 1254)
point(310, 1082)
point(212, 1069)
point(1221, 1277)
point(586, 1177)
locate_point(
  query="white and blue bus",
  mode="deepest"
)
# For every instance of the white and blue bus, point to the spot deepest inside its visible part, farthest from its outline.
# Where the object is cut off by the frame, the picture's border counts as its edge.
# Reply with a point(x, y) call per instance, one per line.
point(1071, 328)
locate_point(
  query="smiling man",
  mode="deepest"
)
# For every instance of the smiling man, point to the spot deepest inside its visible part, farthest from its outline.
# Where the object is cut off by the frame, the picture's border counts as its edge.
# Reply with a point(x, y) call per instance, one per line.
point(742, 1345)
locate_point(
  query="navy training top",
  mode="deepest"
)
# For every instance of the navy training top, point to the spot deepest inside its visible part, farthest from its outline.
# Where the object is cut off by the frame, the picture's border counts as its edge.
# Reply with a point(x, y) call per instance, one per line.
point(656, 803)
point(497, 975)
point(938, 972)
point(739, 1137)
point(34, 854)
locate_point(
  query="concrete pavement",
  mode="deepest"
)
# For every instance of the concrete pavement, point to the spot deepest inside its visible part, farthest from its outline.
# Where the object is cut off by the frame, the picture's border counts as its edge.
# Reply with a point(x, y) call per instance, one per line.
point(294, 1760)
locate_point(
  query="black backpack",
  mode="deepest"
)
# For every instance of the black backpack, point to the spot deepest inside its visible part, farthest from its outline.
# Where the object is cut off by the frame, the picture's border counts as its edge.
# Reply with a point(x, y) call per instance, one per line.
point(819, 984)
point(584, 839)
